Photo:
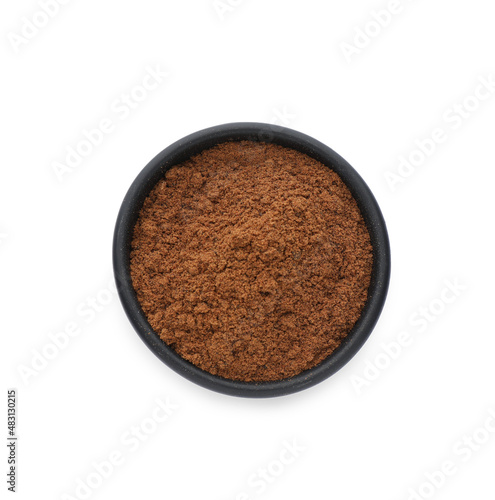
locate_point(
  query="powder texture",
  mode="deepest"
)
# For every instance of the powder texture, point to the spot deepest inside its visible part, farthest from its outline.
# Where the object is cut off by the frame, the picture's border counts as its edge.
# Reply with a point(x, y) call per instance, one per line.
point(252, 261)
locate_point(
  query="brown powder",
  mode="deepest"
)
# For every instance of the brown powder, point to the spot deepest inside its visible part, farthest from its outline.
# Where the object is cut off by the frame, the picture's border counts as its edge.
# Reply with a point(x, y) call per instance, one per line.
point(251, 261)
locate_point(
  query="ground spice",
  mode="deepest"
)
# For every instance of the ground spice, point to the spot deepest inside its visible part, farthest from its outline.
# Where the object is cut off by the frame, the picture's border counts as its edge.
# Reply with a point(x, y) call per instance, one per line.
point(251, 260)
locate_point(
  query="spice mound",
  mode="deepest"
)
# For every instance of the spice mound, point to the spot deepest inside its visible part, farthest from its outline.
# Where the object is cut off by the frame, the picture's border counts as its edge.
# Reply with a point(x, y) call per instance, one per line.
point(251, 260)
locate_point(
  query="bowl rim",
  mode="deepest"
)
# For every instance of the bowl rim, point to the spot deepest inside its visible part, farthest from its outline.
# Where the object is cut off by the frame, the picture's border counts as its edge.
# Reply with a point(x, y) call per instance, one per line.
point(193, 144)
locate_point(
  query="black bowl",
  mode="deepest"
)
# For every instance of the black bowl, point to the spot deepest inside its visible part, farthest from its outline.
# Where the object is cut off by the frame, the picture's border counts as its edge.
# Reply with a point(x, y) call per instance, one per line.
point(194, 144)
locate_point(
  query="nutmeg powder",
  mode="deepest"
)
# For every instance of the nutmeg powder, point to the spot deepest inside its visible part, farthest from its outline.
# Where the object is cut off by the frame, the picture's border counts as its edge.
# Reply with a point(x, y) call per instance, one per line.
point(252, 261)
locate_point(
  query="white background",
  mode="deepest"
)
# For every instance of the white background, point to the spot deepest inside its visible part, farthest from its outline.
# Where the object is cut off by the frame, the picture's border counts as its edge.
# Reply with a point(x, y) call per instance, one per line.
point(280, 61)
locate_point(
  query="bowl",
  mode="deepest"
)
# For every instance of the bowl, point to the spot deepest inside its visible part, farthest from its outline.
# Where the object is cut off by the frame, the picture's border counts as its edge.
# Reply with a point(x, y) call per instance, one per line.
point(193, 144)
